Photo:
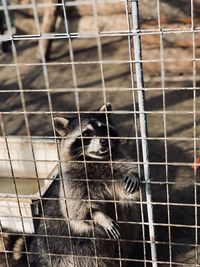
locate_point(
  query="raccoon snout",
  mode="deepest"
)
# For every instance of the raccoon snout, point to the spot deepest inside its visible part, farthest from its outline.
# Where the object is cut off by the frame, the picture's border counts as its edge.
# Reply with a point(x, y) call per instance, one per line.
point(104, 146)
point(103, 142)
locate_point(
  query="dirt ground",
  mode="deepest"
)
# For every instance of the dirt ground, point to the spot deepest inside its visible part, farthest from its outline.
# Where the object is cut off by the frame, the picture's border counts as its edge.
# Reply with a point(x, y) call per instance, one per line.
point(171, 134)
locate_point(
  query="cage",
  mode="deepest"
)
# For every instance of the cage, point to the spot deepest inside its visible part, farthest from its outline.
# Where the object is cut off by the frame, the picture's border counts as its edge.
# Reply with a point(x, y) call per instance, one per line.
point(68, 58)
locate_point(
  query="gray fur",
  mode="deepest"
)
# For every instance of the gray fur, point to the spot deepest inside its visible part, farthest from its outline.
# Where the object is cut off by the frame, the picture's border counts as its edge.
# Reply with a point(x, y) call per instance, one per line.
point(87, 217)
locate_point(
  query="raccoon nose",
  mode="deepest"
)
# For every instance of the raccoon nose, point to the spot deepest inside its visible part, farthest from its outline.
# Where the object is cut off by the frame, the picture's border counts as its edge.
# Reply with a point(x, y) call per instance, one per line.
point(104, 142)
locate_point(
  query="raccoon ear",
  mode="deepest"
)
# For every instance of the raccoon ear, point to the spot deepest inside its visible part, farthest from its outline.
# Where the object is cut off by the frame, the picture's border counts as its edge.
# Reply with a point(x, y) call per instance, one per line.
point(61, 125)
point(107, 107)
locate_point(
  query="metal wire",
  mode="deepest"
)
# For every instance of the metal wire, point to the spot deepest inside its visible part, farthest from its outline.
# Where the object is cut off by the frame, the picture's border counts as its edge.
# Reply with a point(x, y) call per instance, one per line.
point(157, 230)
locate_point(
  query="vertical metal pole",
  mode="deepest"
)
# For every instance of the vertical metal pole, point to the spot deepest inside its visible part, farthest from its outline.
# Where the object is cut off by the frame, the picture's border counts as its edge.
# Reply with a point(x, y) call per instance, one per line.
point(143, 124)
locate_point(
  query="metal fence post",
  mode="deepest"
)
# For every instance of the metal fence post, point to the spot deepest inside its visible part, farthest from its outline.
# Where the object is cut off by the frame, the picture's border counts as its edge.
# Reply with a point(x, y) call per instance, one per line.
point(143, 122)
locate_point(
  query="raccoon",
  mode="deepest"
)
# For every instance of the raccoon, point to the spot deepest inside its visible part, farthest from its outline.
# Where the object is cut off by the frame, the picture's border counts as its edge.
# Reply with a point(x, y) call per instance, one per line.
point(95, 188)
point(11, 247)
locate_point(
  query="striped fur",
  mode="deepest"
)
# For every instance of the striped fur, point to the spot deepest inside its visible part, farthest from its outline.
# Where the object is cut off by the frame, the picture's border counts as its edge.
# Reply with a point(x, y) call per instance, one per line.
point(79, 204)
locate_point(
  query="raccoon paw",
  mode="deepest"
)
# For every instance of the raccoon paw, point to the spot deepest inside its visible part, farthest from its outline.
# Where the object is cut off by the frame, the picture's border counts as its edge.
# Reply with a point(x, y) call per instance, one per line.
point(132, 182)
point(112, 230)
point(108, 224)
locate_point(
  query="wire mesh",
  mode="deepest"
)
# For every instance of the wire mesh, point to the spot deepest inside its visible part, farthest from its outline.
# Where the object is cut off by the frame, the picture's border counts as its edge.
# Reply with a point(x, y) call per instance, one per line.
point(62, 58)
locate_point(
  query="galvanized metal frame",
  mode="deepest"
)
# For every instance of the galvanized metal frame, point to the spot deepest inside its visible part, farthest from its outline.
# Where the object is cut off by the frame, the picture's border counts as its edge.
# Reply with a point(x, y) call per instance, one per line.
point(143, 122)
point(133, 33)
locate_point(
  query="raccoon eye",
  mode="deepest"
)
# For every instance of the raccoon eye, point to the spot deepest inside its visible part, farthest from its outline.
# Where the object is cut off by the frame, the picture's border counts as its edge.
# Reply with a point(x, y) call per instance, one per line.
point(87, 133)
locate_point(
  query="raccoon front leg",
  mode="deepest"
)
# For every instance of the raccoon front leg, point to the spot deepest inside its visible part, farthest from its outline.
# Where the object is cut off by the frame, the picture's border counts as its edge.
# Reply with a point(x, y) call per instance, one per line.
point(131, 180)
point(109, 225)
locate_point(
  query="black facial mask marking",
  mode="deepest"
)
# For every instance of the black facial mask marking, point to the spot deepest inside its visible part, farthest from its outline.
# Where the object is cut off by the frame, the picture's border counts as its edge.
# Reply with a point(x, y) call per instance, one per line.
point(100, 131)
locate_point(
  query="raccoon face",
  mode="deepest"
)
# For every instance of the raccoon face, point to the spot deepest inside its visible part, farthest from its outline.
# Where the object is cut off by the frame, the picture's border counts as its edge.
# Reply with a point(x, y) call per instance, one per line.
point(90, 138)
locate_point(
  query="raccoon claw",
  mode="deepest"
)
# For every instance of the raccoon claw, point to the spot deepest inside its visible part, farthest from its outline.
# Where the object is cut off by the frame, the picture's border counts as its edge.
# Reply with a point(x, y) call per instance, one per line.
point(131, 183)
point(113, 230)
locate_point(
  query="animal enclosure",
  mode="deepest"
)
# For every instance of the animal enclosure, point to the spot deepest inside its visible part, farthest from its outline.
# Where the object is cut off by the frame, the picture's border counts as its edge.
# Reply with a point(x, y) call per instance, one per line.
point(63, 58)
